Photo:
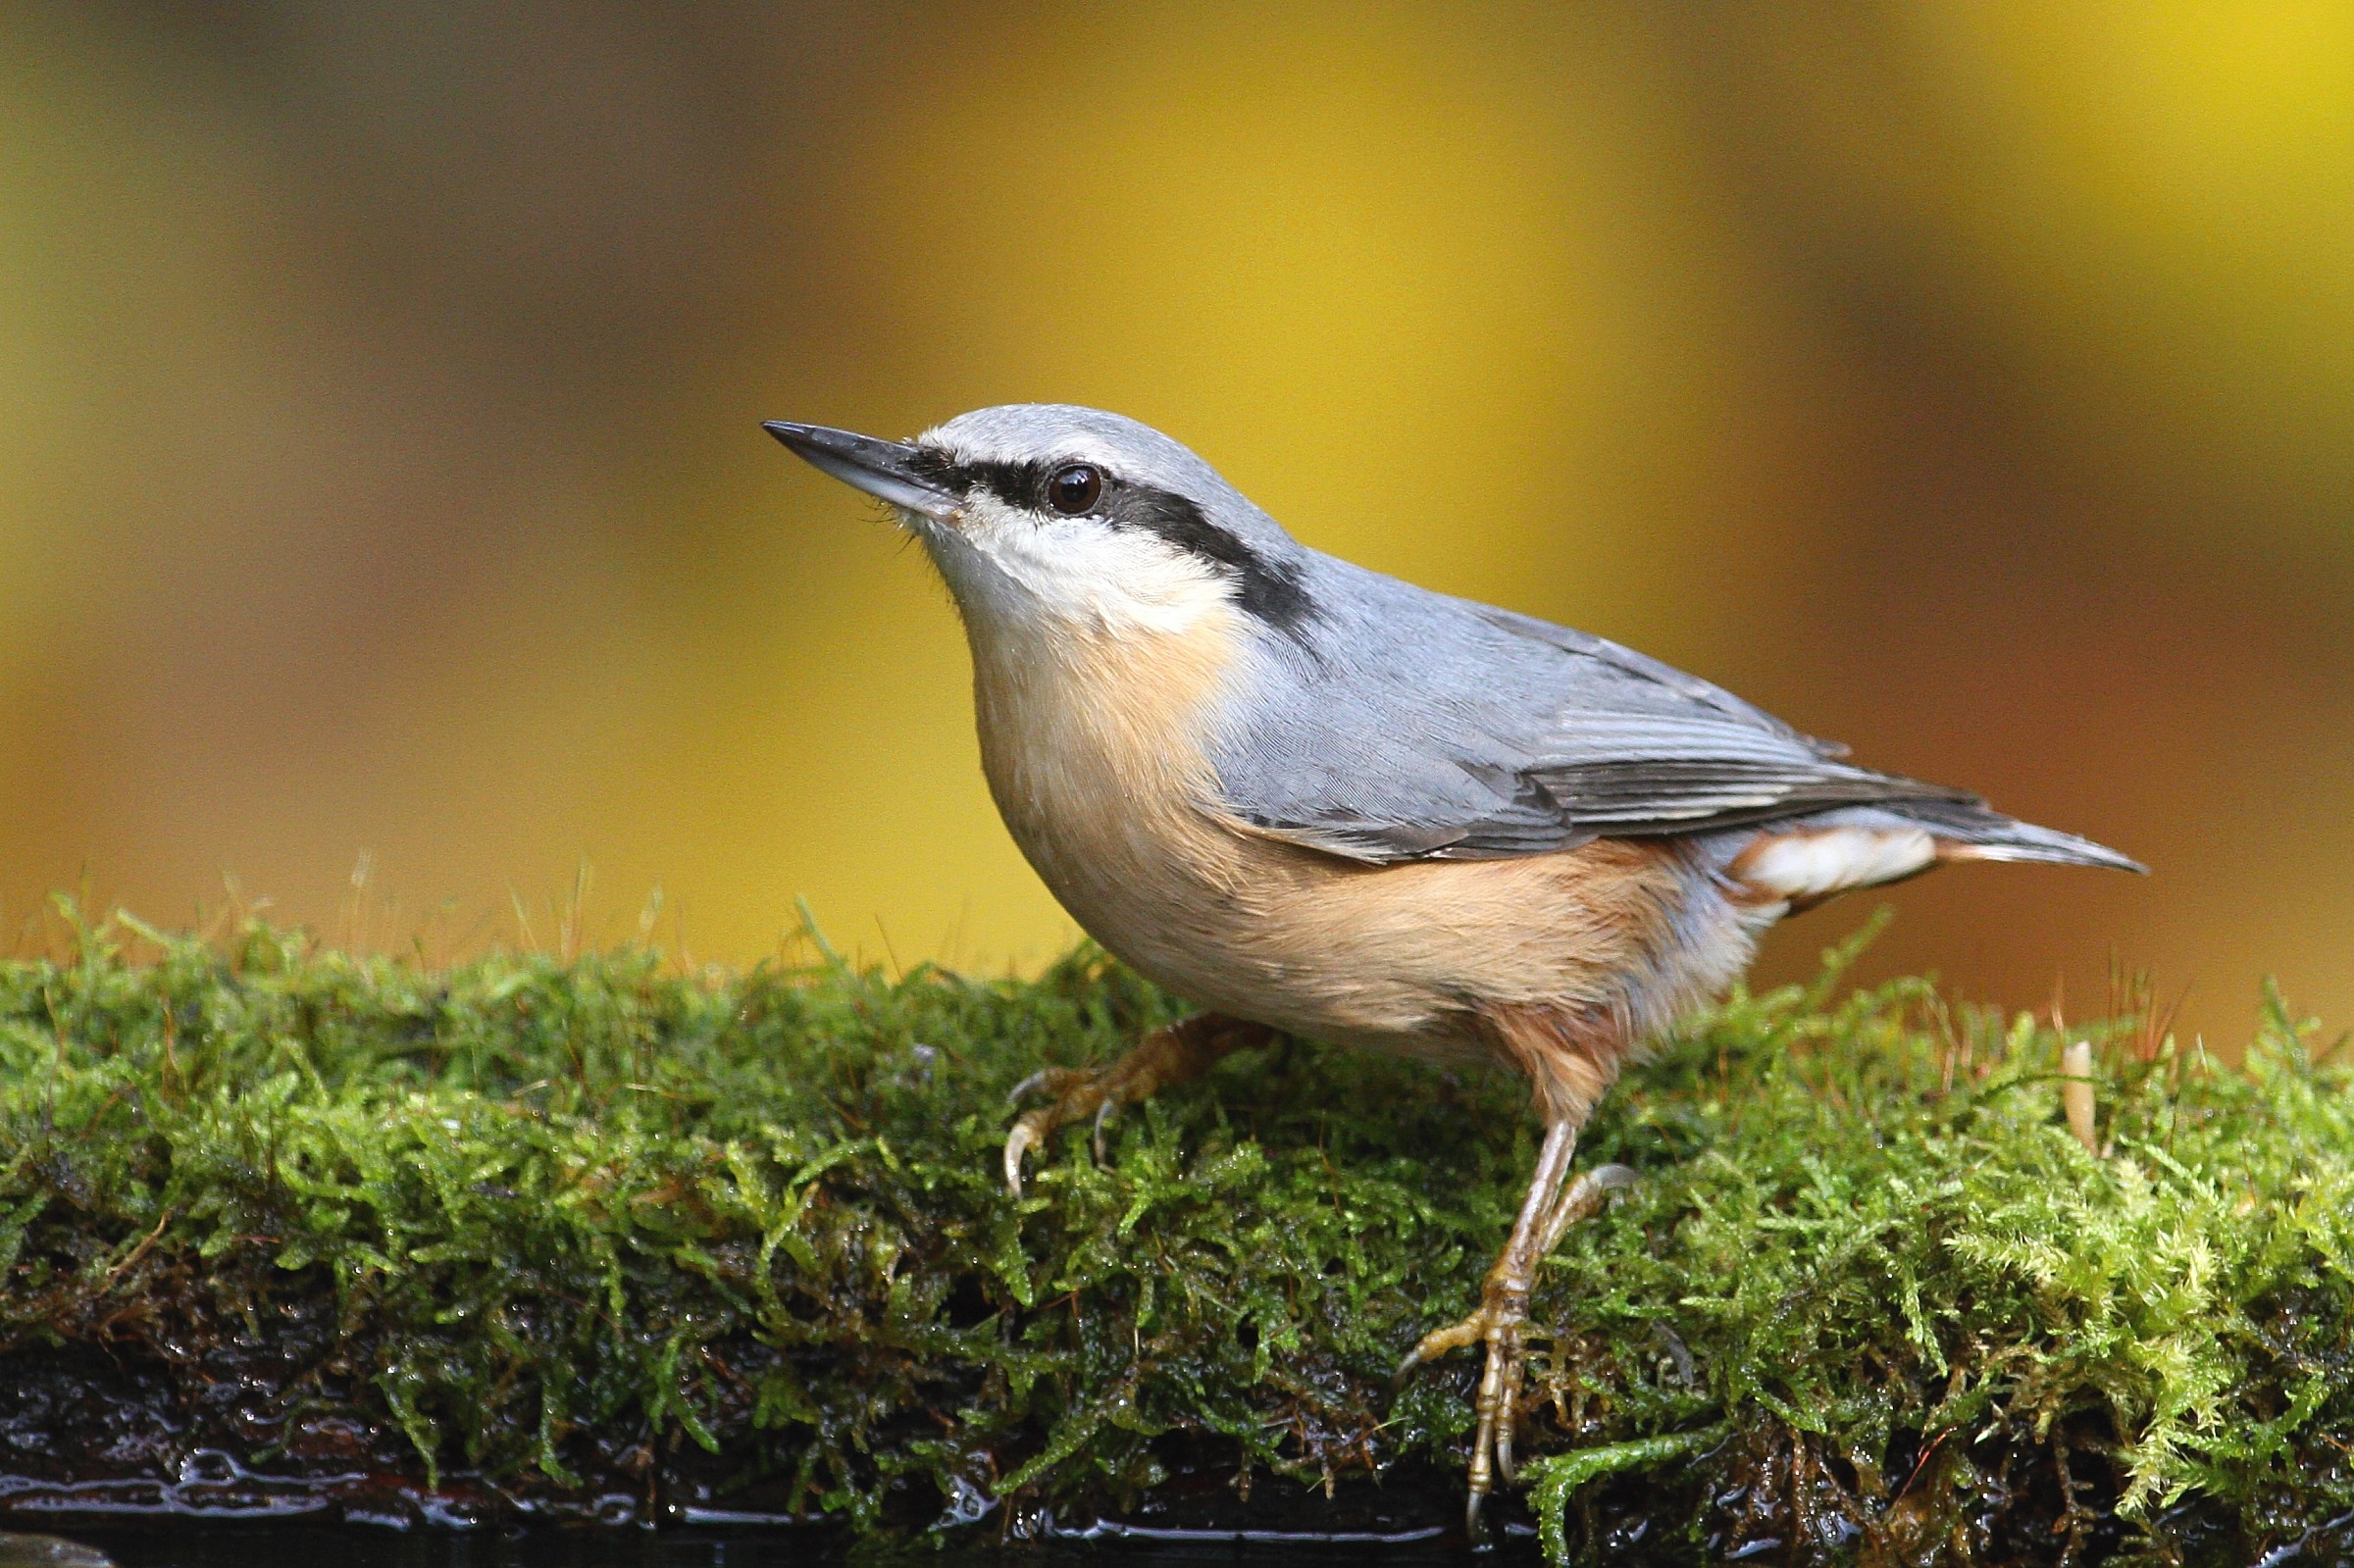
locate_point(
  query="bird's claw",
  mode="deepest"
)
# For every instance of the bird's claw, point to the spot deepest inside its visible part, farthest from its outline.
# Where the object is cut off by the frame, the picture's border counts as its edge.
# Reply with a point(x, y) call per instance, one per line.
point(1018, 1142)
point(1586, 1194)
point(1034, 1127)
point(1095, 1134)
point(1071, 1088)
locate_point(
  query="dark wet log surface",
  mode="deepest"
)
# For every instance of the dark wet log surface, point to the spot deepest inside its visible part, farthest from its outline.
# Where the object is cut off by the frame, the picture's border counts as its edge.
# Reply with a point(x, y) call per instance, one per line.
point(154, 1471)
point(116, 1452)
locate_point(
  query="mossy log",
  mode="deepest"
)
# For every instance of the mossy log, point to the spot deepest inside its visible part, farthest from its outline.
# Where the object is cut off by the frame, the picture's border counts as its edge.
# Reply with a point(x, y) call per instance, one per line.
point(285, 1227)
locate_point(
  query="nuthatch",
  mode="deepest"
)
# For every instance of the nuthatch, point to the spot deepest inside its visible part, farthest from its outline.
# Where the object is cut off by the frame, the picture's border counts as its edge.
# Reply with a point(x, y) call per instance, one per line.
point(1318, 801)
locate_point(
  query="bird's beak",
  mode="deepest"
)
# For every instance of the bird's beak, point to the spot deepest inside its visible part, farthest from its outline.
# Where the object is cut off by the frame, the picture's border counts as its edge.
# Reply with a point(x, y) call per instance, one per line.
point(904, 476)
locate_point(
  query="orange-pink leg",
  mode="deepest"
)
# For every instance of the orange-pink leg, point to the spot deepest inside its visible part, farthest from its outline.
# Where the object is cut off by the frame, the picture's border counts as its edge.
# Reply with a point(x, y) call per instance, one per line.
point(1547, 1212)
point(1177, 1054)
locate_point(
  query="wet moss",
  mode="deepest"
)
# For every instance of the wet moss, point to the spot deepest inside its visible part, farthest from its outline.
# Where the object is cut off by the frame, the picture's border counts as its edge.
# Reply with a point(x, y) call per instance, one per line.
point(282, 1227)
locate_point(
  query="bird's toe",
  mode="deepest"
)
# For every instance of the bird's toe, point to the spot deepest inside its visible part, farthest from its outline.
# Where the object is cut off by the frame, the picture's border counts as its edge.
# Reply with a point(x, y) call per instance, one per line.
point(1055, 1081)
point(1442, 1341)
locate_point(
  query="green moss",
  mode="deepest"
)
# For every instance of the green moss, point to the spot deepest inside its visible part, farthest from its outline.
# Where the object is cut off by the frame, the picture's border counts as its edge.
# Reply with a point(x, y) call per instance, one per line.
point(557, 1231)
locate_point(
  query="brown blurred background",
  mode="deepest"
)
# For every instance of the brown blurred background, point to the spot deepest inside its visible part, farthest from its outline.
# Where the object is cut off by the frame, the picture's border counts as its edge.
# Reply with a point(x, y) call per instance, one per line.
point(379, 474)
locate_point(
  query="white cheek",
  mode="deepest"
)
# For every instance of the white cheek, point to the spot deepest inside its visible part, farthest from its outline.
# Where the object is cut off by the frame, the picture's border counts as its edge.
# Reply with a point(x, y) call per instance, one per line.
point(1083, 573)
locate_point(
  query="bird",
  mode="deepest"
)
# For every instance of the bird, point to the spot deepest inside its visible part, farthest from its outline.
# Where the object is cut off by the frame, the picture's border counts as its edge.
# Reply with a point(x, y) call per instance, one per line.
point(1316, 801)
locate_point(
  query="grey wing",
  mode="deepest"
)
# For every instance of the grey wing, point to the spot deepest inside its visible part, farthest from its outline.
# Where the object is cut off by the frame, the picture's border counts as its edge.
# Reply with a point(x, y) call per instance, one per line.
point(1416, 726)
point(1691, 687)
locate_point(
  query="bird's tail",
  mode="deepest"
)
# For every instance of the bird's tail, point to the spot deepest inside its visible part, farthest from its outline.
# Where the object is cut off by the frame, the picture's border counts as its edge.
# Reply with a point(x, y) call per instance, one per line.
point(1966, 829)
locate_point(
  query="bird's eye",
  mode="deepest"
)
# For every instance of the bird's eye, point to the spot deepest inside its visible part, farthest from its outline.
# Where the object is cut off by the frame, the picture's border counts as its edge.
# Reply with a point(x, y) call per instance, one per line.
point(1075, 488)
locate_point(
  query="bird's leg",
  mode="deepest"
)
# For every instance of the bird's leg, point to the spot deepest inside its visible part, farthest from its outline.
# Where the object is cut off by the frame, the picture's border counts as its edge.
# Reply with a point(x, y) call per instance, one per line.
point(1176, 1053)
point(1580, 1199)
point(1547, 1212)
point(1501, 1313)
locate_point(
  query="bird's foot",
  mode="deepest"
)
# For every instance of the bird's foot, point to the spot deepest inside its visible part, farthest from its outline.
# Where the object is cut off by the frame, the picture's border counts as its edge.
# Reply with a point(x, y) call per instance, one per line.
point(1176, 1053)
point(1501, 1323)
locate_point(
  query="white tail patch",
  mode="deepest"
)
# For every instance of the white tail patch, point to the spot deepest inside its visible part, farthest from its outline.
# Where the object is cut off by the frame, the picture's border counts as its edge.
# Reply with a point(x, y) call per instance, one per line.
point(1807, 865)
point(2007, 854)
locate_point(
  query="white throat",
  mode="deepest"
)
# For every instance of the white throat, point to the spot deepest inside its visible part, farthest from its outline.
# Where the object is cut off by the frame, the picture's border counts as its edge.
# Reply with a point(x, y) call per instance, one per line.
point(1078, 576)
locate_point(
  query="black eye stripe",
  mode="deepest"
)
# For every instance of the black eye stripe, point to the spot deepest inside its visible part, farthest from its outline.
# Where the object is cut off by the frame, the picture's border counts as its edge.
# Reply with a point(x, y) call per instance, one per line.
point(938, 469)
point(1267, 589)
point(1014, 484)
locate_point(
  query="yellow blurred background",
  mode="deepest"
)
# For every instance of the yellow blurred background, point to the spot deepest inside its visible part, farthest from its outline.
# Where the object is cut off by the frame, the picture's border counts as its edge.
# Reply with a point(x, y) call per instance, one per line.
point(380, 479)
